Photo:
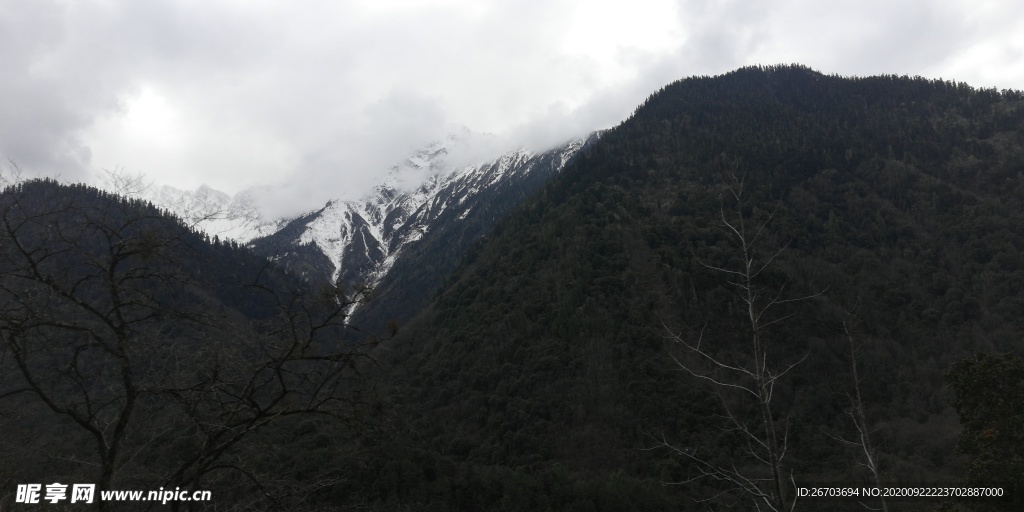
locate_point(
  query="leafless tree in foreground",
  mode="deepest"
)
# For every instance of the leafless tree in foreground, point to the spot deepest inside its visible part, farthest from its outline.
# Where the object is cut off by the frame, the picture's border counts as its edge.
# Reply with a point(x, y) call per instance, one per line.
point(10, 174)
point(868, 452)
point(112, 335)
point(745, 381)
point(123, 183)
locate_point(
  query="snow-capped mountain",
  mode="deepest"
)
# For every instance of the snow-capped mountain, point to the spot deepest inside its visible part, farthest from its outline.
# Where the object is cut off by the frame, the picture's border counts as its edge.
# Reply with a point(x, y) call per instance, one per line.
point(358, 242)
point(401, 239)
point(229, 217)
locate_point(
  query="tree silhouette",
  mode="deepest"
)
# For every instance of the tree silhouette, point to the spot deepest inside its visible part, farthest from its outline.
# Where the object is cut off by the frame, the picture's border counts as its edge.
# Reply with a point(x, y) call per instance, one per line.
point(150, 349)
point(745, 380)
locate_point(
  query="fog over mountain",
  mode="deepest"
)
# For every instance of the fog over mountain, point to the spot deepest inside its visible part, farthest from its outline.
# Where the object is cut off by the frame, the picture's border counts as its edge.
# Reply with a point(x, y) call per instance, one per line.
point(322, 98)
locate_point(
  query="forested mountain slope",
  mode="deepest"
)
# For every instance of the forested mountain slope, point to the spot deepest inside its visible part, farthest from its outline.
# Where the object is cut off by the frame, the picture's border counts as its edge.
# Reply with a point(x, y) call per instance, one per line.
point(461, 212)
point(547, 368)
point(136, 354)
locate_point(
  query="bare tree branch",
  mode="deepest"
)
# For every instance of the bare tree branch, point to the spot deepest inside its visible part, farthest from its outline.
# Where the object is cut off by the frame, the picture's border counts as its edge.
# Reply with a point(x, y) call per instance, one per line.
point(106, 321)
point(760, 478)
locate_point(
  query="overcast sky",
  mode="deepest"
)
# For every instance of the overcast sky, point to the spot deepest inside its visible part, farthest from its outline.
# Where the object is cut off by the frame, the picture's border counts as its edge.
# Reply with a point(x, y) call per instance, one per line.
point(325, 95)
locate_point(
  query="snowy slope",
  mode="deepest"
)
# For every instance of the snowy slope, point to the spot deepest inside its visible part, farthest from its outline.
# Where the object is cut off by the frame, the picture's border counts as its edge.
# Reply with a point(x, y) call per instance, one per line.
point(214, 212)
point(358, 242)
point(362, 239)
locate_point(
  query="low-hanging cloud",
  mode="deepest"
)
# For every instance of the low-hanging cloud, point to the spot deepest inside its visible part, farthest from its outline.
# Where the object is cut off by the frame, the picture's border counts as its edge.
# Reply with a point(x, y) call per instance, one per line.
point(350, 162)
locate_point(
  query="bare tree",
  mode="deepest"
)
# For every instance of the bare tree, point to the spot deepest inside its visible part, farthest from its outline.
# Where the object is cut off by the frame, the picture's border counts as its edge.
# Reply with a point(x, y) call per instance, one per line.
point(106, 322)
point(126, 184)
point(868, 452)
point(11, 174)
point(745, 381)
point(196, 211)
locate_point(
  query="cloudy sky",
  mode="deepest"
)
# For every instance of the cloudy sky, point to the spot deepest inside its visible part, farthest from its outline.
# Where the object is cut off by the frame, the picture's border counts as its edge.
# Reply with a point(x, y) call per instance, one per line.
point(326, 94)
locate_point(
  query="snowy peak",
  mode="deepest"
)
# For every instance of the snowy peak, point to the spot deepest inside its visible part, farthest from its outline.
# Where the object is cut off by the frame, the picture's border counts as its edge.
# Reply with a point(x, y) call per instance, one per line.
point(360, 240)
point(214, 212)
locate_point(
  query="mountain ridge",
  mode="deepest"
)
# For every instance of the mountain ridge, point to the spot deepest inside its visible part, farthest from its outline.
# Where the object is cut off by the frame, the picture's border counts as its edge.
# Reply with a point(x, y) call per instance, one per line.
point(363, 238)
point(551, 345)
point(358, 241)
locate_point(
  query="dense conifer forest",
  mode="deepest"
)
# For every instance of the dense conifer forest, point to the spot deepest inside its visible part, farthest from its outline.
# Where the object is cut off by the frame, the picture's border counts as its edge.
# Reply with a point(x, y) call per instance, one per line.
point(772, 277)
point(546, 374)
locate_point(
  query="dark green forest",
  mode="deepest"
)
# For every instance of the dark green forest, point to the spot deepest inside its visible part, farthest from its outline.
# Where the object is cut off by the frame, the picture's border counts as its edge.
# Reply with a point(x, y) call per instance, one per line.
point(548, 361)
point(761, 280)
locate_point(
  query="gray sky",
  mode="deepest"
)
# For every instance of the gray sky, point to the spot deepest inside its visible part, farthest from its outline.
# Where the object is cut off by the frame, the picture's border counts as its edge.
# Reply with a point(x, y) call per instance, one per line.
point(325, 95)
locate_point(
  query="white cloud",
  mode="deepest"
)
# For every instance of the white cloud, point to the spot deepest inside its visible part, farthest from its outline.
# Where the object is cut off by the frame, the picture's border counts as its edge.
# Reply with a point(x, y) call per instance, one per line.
point(325, 95)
